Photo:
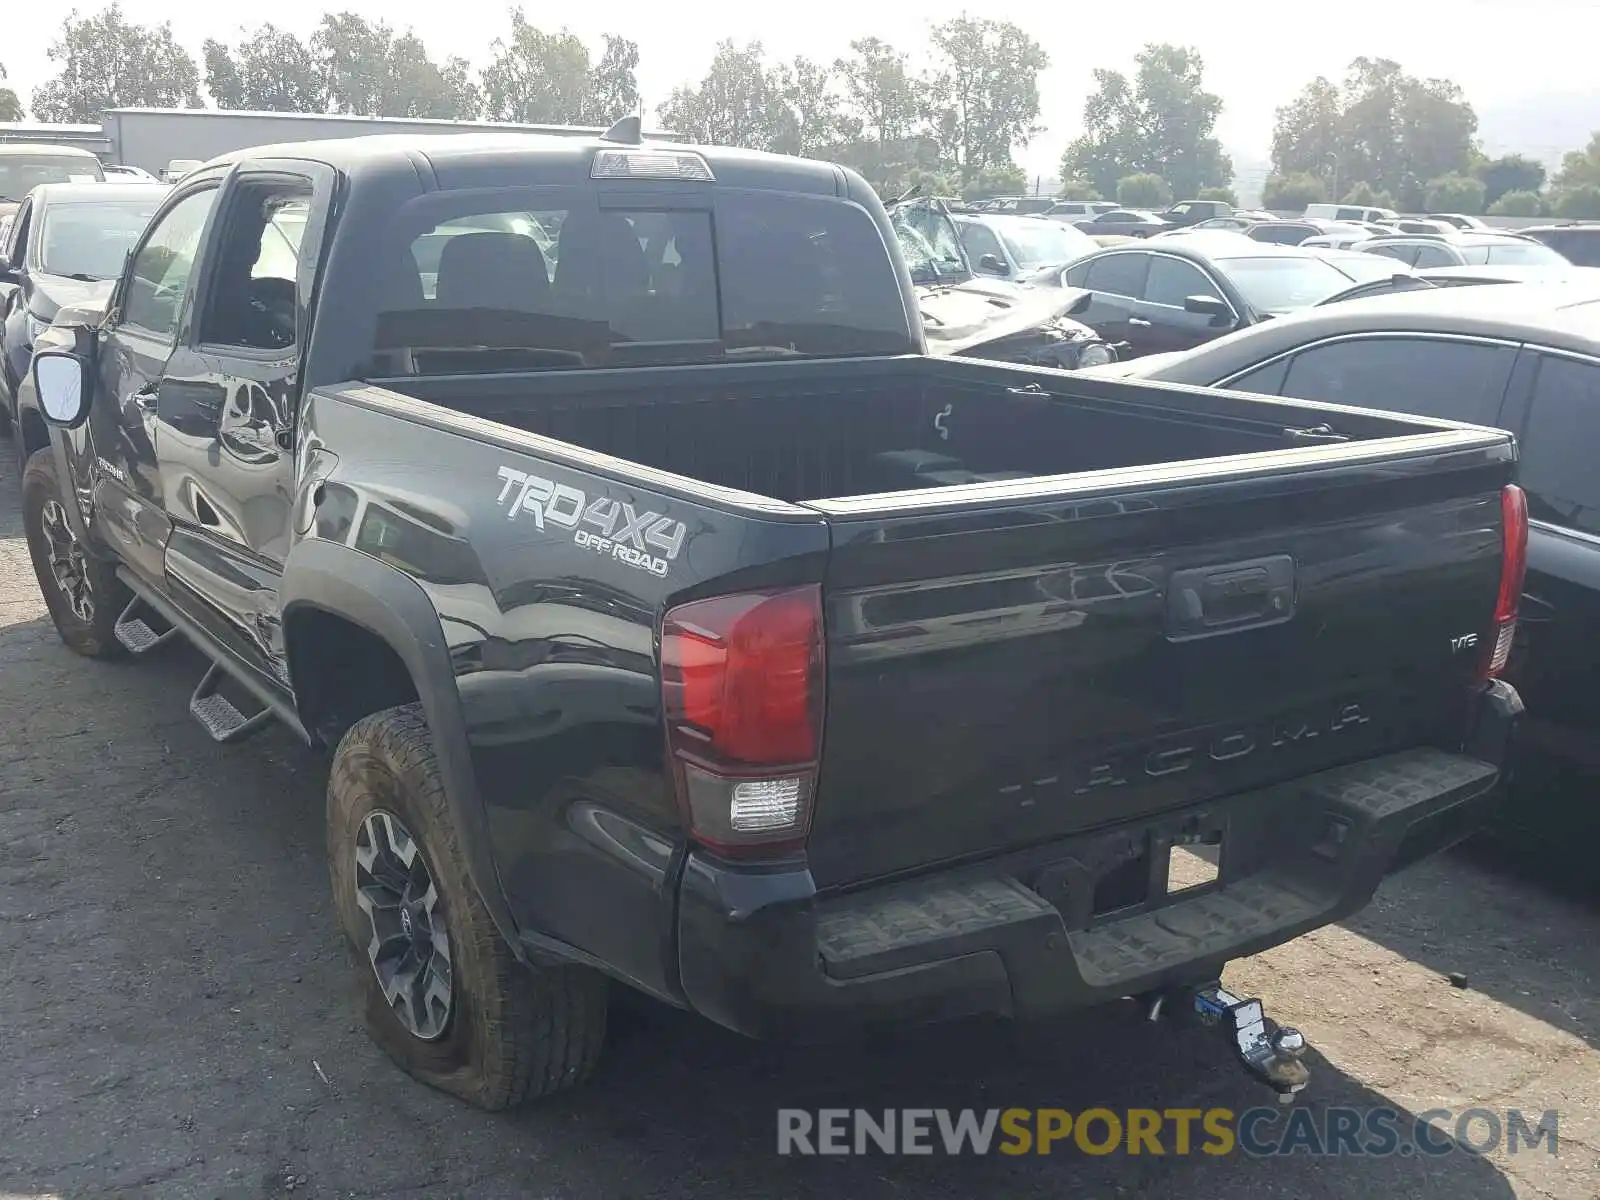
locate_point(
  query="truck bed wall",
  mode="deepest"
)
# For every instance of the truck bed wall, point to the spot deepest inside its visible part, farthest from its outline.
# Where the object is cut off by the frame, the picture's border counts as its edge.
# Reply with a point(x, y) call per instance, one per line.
point(806, 434)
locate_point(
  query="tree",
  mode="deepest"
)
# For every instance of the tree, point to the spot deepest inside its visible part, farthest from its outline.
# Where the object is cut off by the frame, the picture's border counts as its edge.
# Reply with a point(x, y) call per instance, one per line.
point(614, 82)
point(1144, 190)
point(983, 93)
point(805, 113)
point(1160, 122)
point(1580, 166)
point(268, 71)
point(881, 100)
point(107, 61)
point(1078, 189)
point(1455, 193)
point(1580, 202)
point(731, 106)
point(1008, 180)
point(352, 55)
point(10, 106)
point(1510, 173)
point(1365, 195)
point(1291, 193)
point(1225, 195)
point(1382, 126)
point(1518, 204)
point(537, 77)
point(365, 68)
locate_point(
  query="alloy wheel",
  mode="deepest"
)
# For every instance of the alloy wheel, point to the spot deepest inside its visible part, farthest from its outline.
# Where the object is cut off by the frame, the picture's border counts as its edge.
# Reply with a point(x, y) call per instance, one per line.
point(68, 566)
point(410, 945)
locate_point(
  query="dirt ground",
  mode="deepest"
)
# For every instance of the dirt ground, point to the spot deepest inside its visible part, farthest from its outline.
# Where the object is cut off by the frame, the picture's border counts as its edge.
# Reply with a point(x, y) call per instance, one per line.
point(177, 1018)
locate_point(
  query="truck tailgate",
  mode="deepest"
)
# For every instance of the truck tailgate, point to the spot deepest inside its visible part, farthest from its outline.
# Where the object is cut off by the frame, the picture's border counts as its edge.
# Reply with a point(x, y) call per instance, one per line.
point(1010, 663)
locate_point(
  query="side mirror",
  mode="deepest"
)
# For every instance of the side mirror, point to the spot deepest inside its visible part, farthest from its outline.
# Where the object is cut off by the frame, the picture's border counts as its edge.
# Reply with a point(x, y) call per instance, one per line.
point(1214, 307)
point(62, 382)
point(990, 264)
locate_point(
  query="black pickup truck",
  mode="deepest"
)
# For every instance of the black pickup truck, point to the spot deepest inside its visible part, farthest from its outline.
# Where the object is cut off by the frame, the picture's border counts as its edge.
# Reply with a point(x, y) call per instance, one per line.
point(675, 620)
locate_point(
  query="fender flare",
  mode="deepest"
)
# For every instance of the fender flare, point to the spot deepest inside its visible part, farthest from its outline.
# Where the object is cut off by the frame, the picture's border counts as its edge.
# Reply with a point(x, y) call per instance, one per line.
point(392, 606)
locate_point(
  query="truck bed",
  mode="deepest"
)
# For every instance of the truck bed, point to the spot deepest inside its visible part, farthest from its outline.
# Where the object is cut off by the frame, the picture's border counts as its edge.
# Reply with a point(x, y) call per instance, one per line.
point(812, 431)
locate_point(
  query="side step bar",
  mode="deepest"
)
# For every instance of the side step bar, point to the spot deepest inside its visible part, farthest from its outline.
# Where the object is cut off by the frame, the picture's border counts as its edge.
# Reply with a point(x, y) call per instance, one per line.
point(217, 715)
point(135, 633)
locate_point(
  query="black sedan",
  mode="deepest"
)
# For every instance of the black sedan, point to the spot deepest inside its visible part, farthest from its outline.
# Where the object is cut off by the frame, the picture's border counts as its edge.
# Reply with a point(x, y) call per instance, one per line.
point(1521, 356)
point(66, 241)
point(1174, 293)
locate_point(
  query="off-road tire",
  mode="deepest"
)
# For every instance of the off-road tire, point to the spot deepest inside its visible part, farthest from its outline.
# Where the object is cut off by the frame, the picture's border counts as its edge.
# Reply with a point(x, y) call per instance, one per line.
point(96, 637)
point(515, 1032)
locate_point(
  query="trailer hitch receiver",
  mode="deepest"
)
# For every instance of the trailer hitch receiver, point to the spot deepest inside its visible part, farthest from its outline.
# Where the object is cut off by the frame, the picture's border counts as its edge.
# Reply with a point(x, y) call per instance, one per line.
point(1272, 1054)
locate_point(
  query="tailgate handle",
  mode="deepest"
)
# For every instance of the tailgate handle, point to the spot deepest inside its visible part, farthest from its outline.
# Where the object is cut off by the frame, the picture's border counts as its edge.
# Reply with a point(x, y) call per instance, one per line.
point(1204, 601)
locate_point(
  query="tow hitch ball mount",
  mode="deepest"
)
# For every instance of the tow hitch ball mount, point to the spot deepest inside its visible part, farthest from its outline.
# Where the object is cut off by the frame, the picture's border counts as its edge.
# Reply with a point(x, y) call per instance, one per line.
point(1268, 1051)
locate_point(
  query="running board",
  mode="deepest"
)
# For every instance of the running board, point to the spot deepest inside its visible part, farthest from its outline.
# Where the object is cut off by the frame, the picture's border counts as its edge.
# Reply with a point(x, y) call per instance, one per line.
point(217, 714)
point(135, 632)
point(207, 700)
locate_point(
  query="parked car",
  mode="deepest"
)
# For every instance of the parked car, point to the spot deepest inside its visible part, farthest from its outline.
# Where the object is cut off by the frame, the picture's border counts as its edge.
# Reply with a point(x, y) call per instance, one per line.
point(1342, 240)
point(1237, 221)
point(1024, 249)
point(1525, 358)
point(1458, 220)
point(1019, 204)
point(125, 173)
point(1420, 227)
point(70, 240)
point(1464, 250)
point(1078, 210)
point(1124, 222)
point(1403, 280)
point(1175, 293)
point(24, 167)
point(1294, 233)
point(980, 316)
point(1579, 244)
point(1360, 213)
point(1193, 212)
point(722, 644)
point(178, 168)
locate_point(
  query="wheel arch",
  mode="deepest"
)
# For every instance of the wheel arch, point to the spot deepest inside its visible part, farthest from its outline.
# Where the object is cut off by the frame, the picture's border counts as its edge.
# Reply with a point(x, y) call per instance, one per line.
point(328, 588)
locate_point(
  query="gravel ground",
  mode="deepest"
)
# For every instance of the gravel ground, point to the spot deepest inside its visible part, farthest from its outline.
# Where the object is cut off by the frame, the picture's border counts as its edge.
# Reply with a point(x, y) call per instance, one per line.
point(178, 1016)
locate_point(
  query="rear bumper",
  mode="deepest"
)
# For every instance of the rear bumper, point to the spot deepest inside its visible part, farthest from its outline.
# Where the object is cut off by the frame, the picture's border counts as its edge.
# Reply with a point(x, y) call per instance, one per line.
point(761, 953)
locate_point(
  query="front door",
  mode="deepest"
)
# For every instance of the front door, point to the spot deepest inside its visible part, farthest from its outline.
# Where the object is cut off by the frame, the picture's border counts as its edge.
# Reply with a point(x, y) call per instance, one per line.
point(1170, 326)
point(151, 309)
point(226, 416)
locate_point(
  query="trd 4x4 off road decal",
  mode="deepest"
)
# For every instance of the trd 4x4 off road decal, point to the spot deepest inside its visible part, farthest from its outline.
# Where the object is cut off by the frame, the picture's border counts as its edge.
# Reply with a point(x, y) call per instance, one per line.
point(645, 540)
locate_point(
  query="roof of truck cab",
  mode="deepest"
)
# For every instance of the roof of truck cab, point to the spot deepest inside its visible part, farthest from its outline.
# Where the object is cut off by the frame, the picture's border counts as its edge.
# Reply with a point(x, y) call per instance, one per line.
point(31, 148)
point(459, 158)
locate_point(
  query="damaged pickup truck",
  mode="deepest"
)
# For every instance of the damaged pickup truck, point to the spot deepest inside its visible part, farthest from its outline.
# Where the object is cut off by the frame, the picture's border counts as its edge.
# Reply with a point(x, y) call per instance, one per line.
point(676, 622)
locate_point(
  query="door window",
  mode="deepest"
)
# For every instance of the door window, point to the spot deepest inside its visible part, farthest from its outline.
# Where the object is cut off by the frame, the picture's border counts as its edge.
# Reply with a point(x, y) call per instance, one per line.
point(161, 268)
point(1431, 377)
point(1266, 381)
point(1434, 256)
point(1171, 281)
point(1557, 448)
point(980, 240)
point(1117, 274)
point(250, 302)
point(1406, 254)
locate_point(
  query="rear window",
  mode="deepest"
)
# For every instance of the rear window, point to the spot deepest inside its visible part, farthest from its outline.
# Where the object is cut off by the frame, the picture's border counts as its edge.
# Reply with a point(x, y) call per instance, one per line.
point(21, 173)
point(1513, 254)
point(1280, 285)
point(507, 287)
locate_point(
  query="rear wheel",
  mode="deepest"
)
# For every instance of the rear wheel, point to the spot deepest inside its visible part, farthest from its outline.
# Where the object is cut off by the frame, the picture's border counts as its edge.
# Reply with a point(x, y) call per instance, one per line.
point(443, 994)
point(82, 592)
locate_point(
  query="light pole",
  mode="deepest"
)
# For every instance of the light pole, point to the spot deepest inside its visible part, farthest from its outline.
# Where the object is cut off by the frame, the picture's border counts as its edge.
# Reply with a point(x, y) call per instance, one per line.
point(1333, 164)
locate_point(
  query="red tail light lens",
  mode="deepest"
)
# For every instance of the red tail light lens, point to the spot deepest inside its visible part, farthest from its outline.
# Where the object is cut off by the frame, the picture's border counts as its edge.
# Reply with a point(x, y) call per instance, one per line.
point(1513, 566)
point(742, 693)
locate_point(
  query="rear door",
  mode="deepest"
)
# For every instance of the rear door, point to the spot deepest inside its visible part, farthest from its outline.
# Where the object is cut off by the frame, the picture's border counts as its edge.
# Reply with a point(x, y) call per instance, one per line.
point(1002, 672)
point(1117, 281)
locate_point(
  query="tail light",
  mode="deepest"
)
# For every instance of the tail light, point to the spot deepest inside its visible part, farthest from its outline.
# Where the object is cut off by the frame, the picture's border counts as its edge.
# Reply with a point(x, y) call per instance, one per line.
point(742, 693)
point(1513, 565)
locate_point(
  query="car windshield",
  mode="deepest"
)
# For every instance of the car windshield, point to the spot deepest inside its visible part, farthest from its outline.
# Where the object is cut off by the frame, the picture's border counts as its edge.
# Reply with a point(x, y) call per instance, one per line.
point(1513, 254)
point(930, 245)
point(1366, 267)
point(90, 241)
point(21, 173)
point(1280, 285)
point(1043, 243)
point(485, 280)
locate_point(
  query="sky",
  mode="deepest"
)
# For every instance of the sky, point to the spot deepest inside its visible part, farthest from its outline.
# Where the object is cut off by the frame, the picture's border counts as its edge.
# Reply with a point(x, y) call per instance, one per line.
point(1497, 52)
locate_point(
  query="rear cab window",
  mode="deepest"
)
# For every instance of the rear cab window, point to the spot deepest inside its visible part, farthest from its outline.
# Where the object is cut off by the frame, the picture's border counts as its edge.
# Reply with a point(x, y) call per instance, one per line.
point(541, 278)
